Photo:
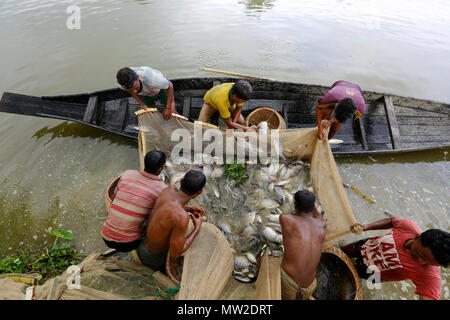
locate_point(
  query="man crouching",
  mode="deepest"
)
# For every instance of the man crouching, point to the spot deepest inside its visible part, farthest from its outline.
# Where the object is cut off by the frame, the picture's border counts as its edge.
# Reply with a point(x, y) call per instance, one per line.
point(303, 237)
point(169, 220)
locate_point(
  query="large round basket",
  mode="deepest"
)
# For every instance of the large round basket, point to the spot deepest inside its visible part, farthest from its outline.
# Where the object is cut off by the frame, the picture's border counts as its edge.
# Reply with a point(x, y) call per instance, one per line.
point(109, 193)
point(337, 278)
point(273, 118)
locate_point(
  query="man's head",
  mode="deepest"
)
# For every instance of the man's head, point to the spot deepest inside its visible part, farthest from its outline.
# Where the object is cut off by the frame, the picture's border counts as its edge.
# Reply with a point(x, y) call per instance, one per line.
point(241, 91)
point(127, 78)
point(344, 109)
point(154, 162)
point(431, 247)
point(304, 200)
point(192, 183)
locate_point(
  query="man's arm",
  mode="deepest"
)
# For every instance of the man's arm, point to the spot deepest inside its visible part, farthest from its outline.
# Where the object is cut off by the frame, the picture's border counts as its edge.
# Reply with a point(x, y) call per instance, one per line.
point(234, 125)
point(138, 98)
point(334, 128)
point(377, 225)
point(178, 242)
point(170, 104)
point(319, 118)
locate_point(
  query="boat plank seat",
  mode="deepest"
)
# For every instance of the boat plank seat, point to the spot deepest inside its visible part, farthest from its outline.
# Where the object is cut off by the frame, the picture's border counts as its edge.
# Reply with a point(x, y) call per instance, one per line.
point(392, 122)
point(118, 122)
point(91, 109)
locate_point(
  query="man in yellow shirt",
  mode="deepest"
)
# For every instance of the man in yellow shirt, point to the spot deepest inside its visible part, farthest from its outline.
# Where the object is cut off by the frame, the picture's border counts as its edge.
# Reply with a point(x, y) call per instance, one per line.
point(227, 99)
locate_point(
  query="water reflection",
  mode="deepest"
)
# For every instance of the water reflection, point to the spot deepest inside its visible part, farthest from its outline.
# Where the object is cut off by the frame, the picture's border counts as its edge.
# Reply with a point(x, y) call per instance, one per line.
point(77, 130)
point(254, 7)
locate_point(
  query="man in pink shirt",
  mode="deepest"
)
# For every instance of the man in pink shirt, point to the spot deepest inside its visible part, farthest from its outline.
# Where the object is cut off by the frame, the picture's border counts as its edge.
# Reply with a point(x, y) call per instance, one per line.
point(405, 253)
point(133, 201)
point(342, 101)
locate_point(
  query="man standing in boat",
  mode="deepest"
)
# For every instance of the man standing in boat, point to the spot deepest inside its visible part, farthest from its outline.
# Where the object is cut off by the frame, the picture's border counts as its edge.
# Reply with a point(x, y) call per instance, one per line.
point(133, 201)
point(342, 101)
point(147, 86)
point(227, 99)
point(405, 253)
point(169, 221)
point(303, 237)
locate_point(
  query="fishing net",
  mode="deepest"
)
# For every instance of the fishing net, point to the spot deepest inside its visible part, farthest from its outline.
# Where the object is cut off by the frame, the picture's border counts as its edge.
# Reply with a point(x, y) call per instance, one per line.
point(247, 214)
point(291, 145)
point(100, 278)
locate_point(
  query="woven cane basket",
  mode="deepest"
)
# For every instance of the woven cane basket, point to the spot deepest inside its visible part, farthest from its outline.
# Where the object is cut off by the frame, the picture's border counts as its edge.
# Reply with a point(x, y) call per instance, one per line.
point(109, 193)
point(351, 267)
point(273, 118)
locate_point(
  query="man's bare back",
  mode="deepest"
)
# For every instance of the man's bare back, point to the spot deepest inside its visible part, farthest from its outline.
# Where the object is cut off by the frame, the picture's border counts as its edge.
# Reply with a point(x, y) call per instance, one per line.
point(303, 237)
point(169, 220)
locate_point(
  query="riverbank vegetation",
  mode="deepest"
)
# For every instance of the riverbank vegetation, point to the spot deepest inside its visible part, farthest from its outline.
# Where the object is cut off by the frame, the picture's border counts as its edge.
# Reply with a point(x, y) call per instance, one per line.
point(48, 263)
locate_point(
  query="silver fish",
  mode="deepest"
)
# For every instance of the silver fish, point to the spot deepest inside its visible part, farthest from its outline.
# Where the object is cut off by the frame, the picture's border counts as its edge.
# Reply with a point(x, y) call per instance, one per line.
point(241, 262)
point(271, 235)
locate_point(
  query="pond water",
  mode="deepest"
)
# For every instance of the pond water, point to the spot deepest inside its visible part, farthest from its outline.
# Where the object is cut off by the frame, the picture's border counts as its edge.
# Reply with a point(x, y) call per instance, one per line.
point(53, 173)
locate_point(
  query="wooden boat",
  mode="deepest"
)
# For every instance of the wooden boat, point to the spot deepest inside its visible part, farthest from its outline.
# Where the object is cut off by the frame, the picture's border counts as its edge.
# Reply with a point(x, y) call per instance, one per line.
point(391, 124)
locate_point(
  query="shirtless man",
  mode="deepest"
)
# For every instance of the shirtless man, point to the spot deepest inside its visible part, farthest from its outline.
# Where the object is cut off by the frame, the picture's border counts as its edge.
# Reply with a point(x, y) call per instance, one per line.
point(169, 220)
point(303, 237)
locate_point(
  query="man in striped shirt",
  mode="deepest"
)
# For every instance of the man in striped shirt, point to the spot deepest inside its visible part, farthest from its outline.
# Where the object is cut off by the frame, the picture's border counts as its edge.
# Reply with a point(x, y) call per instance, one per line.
point(133, 201)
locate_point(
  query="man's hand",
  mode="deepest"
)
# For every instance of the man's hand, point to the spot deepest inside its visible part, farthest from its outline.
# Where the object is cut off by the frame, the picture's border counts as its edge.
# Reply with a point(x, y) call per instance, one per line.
point(357, 228)
point(321, 135)
point(198, 210)
point(143, 106)
point(196, 218)
point(255, 128)
point(167, 114)
point(326, 124)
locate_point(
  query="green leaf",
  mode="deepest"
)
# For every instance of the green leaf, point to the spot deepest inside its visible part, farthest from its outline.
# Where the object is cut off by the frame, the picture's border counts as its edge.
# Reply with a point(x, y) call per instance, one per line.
point(61, 233)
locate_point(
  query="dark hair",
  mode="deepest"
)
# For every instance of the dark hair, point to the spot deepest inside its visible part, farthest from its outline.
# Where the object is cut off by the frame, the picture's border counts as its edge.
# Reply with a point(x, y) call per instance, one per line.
point(344, 109)
point(193, 182)
point(242, 89)
point(154, 160)
point(439, 243)
point(304, 200)
point(126, 77)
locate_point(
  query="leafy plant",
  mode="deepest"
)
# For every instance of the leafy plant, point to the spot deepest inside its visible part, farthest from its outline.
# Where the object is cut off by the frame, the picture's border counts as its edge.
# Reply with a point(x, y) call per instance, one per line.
point(48, 263)
point(236, 171)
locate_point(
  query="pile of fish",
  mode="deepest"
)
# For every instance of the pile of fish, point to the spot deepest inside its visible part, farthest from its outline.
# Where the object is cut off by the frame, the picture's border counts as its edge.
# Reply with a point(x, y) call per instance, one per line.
point(247, 214)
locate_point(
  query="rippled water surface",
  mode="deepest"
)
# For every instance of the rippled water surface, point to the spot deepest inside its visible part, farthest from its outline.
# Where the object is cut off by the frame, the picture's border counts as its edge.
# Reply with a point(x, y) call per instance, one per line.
point(53, 173)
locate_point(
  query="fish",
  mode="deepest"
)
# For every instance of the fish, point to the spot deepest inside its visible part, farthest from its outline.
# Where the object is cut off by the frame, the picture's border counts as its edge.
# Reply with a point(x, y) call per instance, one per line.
point(242, 279)
point(224, 227)
point(279, 192)
point(250, 218)
point(270, 204)
point(207, 170)
point(335, 141)
point(275, 218)
point(271, 235)
point(282, 183)
point(216, 191)
point(241, 262)
point(217, 173)
point(251, 257)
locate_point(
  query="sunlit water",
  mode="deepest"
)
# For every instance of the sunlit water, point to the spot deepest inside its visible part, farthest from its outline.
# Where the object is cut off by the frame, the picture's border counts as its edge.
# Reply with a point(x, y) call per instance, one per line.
point(53, 173)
